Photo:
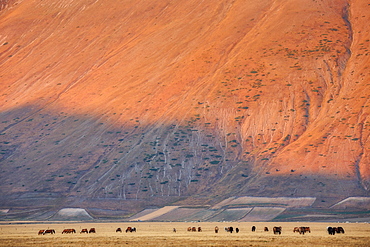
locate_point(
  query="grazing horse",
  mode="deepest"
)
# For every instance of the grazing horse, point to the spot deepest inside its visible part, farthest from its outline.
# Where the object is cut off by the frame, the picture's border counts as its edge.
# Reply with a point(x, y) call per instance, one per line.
point(51, 231)
point(68, 231)
point(189, 229)
point(331, 230)
point(302, 229)
point(339, 229)
point(229, 229)
point(253, 228)
point(130, 229)
point(307, 229)
point(216, 229)
point(237, 230)
point(199, 229)
point(119, 229)
point(277, 229)
point(84, 231)
point(266, 229)
point(41, 232)
point(92, 230)
point(193, 229)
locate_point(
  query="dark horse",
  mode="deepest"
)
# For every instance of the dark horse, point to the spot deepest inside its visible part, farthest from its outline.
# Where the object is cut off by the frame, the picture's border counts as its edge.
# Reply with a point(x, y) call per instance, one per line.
point(277, 229)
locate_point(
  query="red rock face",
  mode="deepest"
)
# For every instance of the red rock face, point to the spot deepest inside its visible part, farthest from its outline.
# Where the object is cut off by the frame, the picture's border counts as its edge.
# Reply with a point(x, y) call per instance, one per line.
point(161, 99)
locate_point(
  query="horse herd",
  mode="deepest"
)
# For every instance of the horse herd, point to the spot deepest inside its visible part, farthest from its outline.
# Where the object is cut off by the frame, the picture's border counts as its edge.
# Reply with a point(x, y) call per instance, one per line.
point(275, 229)
point(66, 231)
point(333, 230)
point(92, 230)
point(230, 229)
point(128, 229)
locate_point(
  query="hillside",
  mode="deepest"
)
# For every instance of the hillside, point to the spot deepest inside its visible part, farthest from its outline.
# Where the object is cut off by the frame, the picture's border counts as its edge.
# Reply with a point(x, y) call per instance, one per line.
point(138, 104)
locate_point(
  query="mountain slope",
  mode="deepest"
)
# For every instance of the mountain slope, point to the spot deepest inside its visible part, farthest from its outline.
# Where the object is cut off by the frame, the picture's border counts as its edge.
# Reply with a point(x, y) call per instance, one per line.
point(125, 104)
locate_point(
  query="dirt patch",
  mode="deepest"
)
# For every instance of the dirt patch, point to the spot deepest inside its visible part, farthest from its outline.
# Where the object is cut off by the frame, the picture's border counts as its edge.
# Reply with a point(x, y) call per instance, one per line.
point(263, 214)
point(71, 214)
point(155, 214)
point(353, 202)
point(267, 201)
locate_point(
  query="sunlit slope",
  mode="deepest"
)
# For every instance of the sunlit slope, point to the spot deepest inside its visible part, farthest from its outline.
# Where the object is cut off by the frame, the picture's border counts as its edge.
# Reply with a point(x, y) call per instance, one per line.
point(161, 99)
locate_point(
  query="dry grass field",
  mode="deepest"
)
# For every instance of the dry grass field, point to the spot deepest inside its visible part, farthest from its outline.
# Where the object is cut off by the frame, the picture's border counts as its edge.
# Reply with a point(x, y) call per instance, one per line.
point(161, 234)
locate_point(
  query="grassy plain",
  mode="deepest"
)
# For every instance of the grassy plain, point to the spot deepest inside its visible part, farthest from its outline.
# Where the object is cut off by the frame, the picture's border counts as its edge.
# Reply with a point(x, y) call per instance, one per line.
point(161, 234)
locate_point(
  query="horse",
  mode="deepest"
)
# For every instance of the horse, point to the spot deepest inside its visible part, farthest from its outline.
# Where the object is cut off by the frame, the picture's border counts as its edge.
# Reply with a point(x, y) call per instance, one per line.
point(237, 230)
point(277, 229)
point(302, 229)
point(216, 229)
point(189, 229)
point(51, 231)
point(92, 230)
point(193, 229)
point(119, 230)
point(340, 229)
point(84, 231)
point(68, 231)
point(330, 230)
point(199, 229)
point(41, 232)
point(266, 229)
point(253, 228)
point(130, 229)
point(229, 229)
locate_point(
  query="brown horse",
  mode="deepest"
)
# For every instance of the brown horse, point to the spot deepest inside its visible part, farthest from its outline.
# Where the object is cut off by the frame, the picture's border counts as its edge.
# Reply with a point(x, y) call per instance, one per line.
point(41, 232)
point(84, 231)
point(119, 229)
point(51, 231)
point(302, 229)
point(92, 230)
point(216, 229)
point(68, 231)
